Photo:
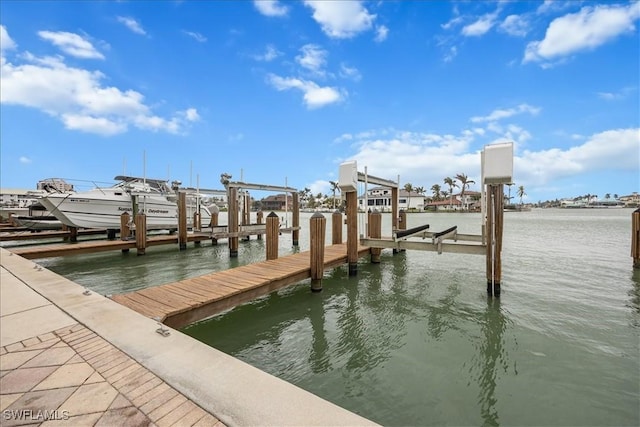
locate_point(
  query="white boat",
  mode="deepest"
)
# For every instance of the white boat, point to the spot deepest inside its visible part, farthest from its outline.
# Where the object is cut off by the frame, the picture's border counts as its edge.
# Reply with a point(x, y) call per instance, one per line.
point(103, 207)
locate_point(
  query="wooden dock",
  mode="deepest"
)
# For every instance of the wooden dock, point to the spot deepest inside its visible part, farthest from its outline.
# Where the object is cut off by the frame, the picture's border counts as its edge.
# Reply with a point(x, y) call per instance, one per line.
point(181, 303)
point(18, 234)
point(86, 247)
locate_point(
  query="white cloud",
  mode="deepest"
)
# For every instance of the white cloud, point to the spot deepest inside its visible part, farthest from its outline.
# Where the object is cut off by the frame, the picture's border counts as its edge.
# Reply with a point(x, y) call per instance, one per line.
point(451, 54)
point(313, 58)
point(481, 26)
point(78, 98)
point(320, 186)
point(350, 72)
point(6, 43)
point(504, 113)
point(271, 7)
point(341, 18)
point(457, 20)
point(425, 159)
point(71, 44)
point(587, 29)
point(132, 24)
point(617, 149)
point(621, 94)
point(314, 96)
point(24, 160)
point(515, 25)
point(269, 55)
point(382, 32)
point(196, 36)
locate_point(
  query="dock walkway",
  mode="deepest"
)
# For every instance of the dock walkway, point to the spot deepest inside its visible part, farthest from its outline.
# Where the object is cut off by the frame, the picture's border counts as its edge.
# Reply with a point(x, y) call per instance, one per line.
point(91, 246)
point(180, 303)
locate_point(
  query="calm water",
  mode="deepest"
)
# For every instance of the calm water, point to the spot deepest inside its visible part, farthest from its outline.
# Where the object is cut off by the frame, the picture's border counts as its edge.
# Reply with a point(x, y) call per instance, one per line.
point(415, 341)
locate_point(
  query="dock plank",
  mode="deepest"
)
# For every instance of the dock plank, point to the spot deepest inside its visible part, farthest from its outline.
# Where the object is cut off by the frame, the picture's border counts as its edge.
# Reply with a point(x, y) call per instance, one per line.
point(196, 298)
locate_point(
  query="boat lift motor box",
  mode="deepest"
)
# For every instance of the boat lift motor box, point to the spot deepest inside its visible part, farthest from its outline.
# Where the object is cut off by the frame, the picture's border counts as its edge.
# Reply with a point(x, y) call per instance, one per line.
point(498, 163)
point(348, 180)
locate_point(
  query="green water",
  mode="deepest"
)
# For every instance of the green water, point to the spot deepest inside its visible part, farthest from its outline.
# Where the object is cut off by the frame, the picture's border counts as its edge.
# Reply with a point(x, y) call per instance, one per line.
point(415, 341)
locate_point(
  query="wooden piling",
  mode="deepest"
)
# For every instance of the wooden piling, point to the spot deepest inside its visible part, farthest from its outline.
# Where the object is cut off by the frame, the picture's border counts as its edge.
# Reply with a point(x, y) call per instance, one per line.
point(352, 232)
point(140, 221)
point(73, 234)
point(336, 228)
point(259, 217)
point(317, 227)
point(111, 234)
point(635, 238)
point(402, 225)
point(65, 227)
point(233, 221)
point(495, 216)
point(182, 220)
point(215, 212)
point(273, 231)
point(125, 231)
point(375, 232)
point(197, 221)
point(246, 212)
point(295, 223)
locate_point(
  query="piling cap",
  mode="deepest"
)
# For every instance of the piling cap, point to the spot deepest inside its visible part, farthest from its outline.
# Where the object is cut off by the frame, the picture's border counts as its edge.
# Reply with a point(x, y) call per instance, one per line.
point(272, 214)
point(317, 215)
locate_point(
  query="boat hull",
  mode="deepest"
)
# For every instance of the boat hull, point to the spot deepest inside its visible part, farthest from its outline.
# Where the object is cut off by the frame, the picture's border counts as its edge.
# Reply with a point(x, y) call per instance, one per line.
point(105, 210)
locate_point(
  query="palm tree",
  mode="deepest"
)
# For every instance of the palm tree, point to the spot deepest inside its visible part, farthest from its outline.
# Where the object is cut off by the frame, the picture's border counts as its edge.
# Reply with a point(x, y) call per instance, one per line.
point(305, 196)
point(607, 196)
point(334, 187)
point(615, 196)
point(435, 188)
point(451, 183)
point(465, 182)
point(408, 187)
point(521, 193)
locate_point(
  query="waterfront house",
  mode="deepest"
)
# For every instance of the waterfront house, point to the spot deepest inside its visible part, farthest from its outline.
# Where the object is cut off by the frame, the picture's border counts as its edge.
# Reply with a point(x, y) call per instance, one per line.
point(631, 201)
point(380, 198)
point(276, 202)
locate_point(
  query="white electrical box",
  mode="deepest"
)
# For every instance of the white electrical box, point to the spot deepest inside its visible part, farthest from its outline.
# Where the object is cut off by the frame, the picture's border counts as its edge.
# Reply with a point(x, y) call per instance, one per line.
point(348, 180)
point(498, 163)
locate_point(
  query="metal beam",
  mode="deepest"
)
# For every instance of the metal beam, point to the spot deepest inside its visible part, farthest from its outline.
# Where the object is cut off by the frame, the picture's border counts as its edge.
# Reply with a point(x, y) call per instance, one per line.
point(375, 180)
point(458, 248)
point(249, 186)
point(203, 191)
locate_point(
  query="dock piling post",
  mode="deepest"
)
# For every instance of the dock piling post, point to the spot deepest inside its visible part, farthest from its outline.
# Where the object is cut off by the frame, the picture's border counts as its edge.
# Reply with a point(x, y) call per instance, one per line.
point(197, 221)
point(495, 215)
point(232, 221)
point(295, 220)
point(182, 220)
point(635, 238)
point(125, 231)
point(402, 225)
point(259, 216)
point(73, 234)
point(394, 211)
point(246, 213)
point(141, 233)
point(215, 212)
point(336, 228)
point(352, 232)
point(273, 230)
point(111, 234)
point(317, 227)
point(375, 232)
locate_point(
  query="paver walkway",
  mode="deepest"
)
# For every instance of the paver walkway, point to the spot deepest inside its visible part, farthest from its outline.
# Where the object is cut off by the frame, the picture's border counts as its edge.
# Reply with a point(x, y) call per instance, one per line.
point(73, 377)
point(55, 371)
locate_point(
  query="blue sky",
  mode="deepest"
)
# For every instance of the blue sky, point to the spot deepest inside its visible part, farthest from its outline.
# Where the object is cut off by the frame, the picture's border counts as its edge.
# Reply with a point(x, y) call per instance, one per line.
point(288, 90)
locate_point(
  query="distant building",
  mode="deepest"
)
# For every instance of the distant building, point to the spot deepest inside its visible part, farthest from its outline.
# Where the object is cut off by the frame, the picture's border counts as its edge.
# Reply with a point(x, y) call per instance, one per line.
point(380, 198)
point(54, 184)
point(632, 200)
point(276, 203)
point(445, 205)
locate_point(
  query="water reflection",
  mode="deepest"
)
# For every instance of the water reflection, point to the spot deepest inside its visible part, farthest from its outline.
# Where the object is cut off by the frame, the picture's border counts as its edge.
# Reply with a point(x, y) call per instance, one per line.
point(319, 355)
point(634, 295)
